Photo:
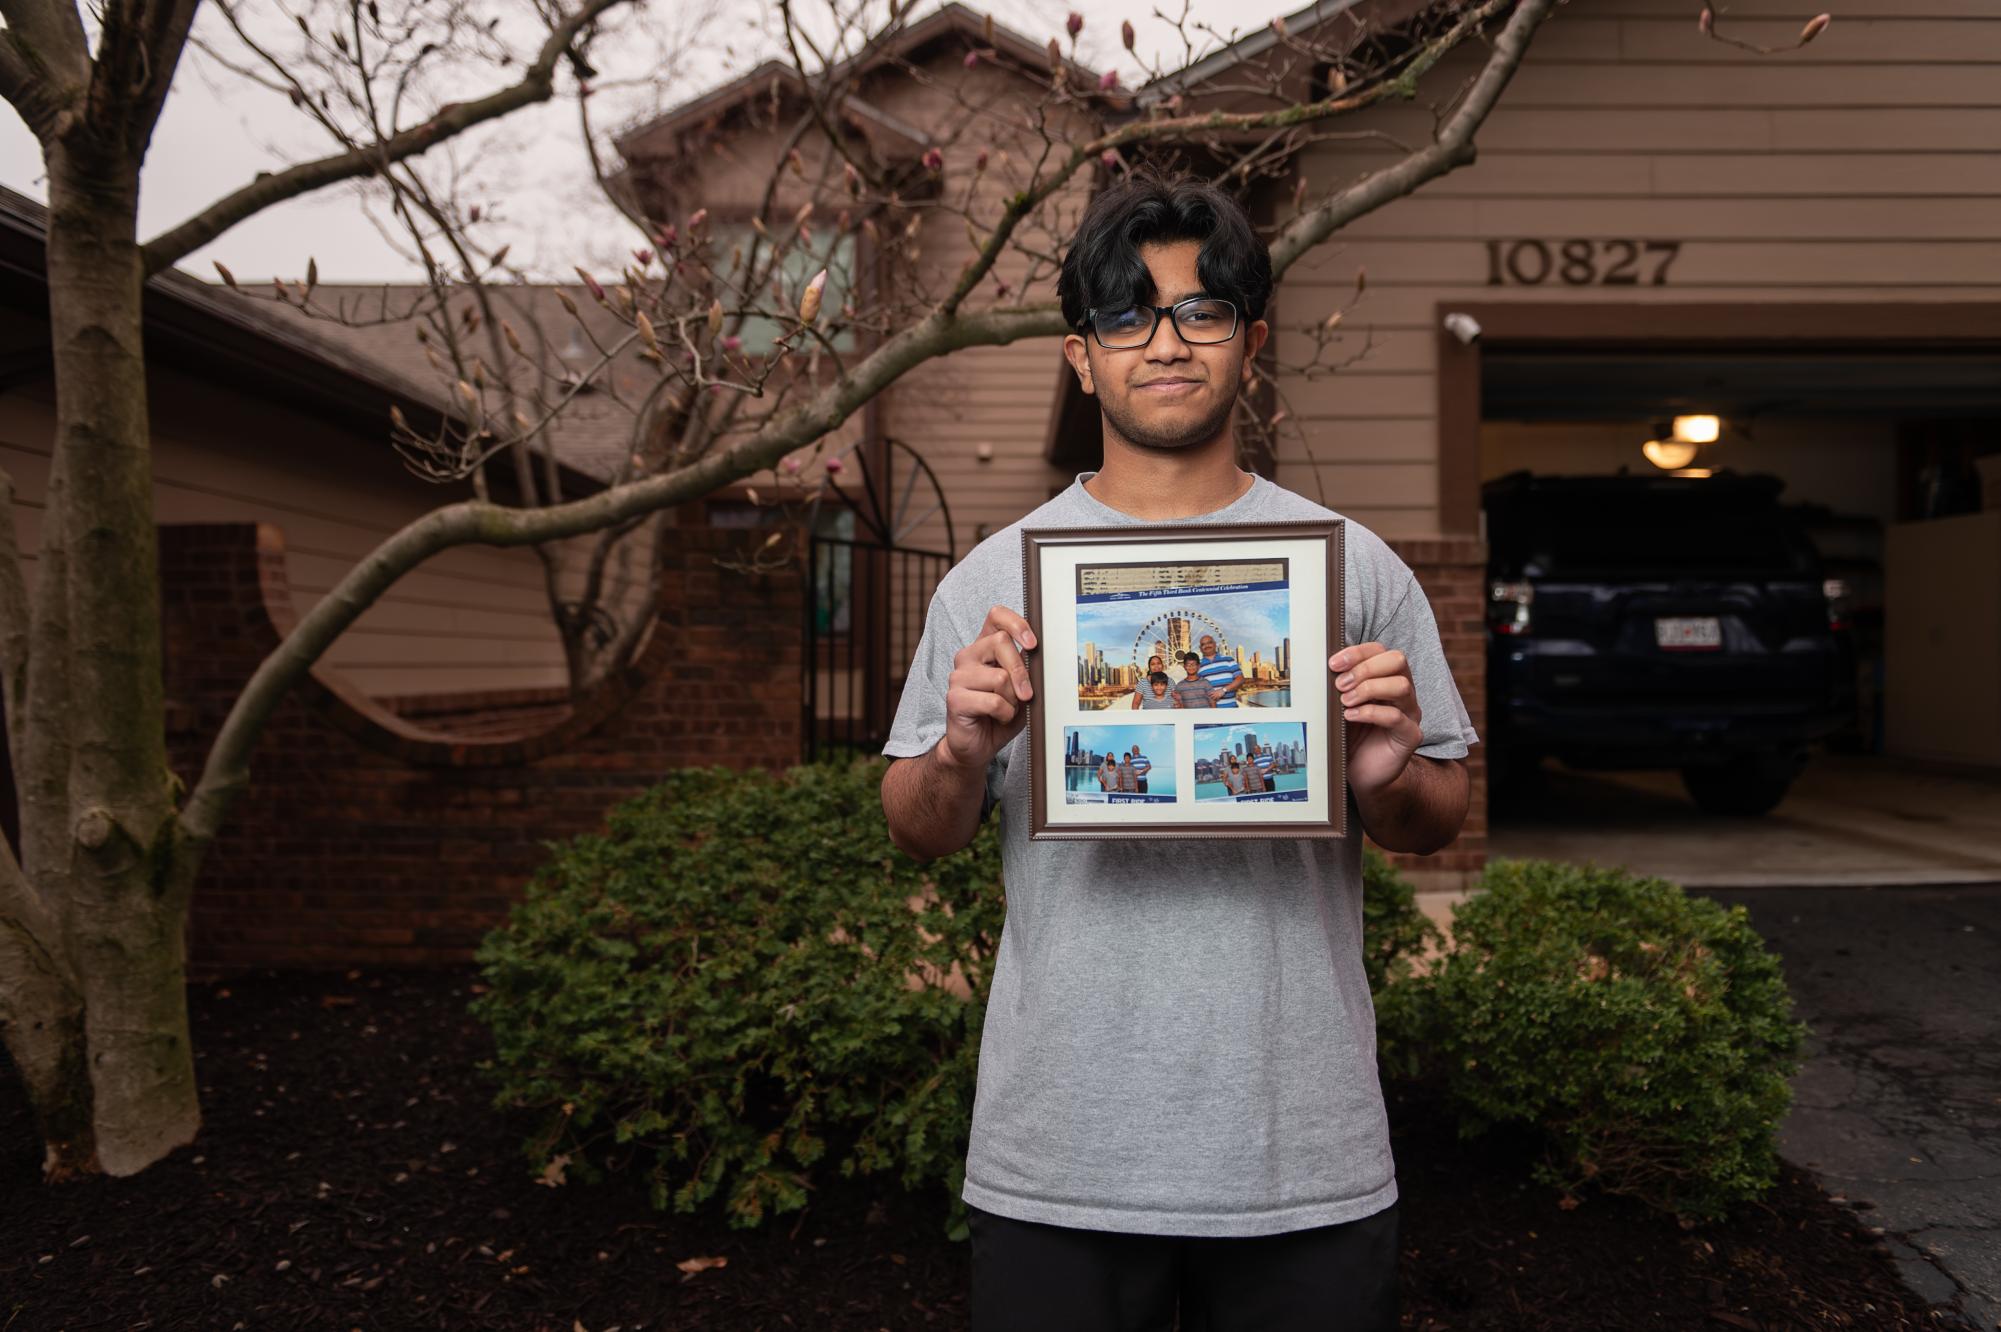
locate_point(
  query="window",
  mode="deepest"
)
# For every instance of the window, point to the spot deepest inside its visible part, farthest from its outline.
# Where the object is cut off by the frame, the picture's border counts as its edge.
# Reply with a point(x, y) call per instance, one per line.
point(834, 253)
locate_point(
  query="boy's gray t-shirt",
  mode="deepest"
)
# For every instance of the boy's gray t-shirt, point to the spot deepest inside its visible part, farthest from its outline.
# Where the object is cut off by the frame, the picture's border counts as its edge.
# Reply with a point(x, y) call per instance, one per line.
point(1179, 1036)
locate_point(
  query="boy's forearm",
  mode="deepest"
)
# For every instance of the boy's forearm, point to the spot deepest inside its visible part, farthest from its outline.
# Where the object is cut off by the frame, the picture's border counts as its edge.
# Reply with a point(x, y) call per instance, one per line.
point(933, 807)
point(1422, 810)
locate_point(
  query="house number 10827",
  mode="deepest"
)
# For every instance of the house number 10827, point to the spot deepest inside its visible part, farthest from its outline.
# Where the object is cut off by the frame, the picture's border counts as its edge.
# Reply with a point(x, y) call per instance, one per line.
point(1579, 263)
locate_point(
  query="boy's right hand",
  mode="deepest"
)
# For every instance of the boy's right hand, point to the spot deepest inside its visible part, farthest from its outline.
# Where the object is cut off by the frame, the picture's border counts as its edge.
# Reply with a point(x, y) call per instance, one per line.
point(988, 686)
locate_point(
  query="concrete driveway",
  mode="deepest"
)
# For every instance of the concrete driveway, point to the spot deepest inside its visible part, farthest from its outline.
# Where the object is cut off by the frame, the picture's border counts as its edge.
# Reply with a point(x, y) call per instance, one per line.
point(1897, 1105)
point(1848, 820)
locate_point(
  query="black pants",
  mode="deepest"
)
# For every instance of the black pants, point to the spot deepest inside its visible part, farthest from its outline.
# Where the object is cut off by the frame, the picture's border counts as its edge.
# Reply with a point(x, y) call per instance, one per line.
point(1032, 1277)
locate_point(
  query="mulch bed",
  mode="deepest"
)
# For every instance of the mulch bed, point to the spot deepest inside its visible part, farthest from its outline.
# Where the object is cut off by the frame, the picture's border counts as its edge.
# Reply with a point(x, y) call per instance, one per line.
point(350, 1174)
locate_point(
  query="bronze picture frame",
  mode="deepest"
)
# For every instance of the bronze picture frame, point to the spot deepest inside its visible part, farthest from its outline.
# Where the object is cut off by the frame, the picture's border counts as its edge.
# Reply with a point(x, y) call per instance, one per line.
point(1178, 590)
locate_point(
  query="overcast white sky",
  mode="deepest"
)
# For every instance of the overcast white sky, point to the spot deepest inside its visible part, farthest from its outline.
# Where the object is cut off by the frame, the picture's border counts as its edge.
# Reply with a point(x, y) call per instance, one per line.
point(219, 131)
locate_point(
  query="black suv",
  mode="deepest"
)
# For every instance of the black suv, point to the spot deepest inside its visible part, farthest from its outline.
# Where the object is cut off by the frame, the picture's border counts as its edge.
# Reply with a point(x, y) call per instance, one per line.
point(1660, 622)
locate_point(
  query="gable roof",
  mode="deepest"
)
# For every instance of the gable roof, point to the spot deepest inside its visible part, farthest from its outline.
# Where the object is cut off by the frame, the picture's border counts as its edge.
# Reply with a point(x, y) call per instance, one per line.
point(266, 348)
point(593, 432)
point(949, 19)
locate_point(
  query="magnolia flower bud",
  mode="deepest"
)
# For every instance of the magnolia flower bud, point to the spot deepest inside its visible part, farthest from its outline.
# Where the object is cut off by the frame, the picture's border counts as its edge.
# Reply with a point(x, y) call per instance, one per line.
point(562, 296)
point(1075, 24)
point(1278, 26)
point(789, 466)
point(852, 178)
point(591, 284)
point(1814, 27)
point(1706, 19)
point(809, 302)
point(1055, 52)
point(796, 162)
point(1126, 34)
point(1108, 80)
point(835, 464)
point(645, 327)
point(972, 59)
point(933, 159)
point(732, 343)
point(1109, 159)
point(696, 219)
point(643, 257)
point(513, 340)
point(228, 278)
point(980, 162)
point(715, 317)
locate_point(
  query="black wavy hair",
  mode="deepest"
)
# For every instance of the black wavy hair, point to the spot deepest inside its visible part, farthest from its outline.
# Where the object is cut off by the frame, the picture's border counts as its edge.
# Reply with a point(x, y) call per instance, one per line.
point(1103, 270)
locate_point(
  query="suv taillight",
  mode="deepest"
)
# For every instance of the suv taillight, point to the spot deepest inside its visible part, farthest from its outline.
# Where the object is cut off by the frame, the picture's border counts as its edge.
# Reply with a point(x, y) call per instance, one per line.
point(1508, 607)
point(1836, 592)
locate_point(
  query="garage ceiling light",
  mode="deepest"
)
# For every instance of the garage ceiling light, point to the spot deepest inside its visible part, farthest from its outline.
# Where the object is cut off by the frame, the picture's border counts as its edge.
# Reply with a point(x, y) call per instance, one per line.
point(1697, 429)
point(1668, 454)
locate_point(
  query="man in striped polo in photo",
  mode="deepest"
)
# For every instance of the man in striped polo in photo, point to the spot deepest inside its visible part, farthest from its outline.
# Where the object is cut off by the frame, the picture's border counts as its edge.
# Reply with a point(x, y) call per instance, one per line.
point(1220, 673)
point(1141, 766)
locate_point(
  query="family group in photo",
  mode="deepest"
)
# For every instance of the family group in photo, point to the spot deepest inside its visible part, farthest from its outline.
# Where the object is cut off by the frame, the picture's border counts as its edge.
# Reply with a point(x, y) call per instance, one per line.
point(1209, 679)
point(1251, 773)
point(1125, 772)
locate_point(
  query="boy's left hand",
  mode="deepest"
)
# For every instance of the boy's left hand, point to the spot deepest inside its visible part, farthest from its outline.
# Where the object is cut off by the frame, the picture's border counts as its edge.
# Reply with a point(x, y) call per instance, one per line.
point(1379, 702)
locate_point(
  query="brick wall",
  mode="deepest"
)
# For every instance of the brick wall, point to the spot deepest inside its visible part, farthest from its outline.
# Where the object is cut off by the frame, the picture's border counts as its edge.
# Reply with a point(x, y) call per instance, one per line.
point(365, 839)
point(1452, 573)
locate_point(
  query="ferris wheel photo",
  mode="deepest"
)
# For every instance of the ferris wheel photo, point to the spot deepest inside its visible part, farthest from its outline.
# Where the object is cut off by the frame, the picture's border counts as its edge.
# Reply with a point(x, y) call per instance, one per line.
point(1197, 647)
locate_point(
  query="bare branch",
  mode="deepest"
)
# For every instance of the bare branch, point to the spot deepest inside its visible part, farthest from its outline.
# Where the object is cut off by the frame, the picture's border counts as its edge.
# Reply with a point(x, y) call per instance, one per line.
point(44, 61)
point(227, 770)
point(536, 85)
point(1454, 145)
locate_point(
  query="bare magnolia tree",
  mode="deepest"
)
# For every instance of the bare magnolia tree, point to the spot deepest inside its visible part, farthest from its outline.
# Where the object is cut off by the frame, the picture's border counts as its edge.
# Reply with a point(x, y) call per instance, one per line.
point(758, 345)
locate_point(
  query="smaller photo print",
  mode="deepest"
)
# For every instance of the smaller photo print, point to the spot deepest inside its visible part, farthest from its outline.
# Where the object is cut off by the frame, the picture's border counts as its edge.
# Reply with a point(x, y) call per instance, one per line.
point(1251, 762)
point(1118, 765)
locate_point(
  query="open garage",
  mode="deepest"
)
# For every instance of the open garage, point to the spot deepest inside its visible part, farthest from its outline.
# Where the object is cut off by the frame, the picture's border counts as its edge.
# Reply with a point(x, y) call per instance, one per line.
point(1641, 710)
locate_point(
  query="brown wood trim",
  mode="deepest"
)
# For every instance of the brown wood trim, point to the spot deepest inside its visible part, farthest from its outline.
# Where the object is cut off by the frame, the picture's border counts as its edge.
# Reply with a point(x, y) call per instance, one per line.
point(1334, 765)
point(1662, 325)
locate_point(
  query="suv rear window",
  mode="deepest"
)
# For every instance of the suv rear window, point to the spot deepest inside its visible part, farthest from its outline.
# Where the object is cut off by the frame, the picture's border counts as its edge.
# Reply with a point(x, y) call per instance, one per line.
point(1600, 536)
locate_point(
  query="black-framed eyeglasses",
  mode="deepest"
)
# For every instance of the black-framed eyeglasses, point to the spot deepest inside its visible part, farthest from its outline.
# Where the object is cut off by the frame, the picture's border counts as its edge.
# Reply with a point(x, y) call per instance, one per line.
point(1199, 319)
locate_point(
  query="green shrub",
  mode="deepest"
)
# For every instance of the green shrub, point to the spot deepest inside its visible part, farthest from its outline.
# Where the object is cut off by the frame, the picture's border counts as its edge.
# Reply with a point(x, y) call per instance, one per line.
point(1646, 1032)
point(681, 983)
point(667, 991)
point(1394, 931)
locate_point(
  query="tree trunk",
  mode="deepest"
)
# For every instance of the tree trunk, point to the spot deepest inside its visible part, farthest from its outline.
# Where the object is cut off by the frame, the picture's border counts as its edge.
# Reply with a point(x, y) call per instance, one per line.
point(99, 1024)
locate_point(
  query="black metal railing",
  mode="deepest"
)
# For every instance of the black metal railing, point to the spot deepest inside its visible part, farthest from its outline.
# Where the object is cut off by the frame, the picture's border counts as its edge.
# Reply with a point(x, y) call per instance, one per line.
point(865, 608)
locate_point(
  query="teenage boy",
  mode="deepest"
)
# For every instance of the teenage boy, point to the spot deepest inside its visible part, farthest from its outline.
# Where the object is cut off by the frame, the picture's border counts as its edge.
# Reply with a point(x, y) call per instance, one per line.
point(1192, 692)
point(1156, 1124)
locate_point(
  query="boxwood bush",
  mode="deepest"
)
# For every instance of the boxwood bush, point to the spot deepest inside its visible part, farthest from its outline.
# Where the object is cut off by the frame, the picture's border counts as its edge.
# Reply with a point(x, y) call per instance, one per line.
point(1646, 1033)
point(718, 986)
point(715, 990)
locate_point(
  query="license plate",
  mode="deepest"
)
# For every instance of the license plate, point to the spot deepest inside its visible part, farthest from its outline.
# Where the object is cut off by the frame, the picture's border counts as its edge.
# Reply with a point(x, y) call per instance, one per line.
point(1688, 633)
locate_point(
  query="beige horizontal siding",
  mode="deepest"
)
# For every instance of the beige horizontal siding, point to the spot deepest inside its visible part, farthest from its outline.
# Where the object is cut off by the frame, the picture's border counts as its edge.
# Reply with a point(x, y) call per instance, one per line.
point(1858, 168)
point(470, 618)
